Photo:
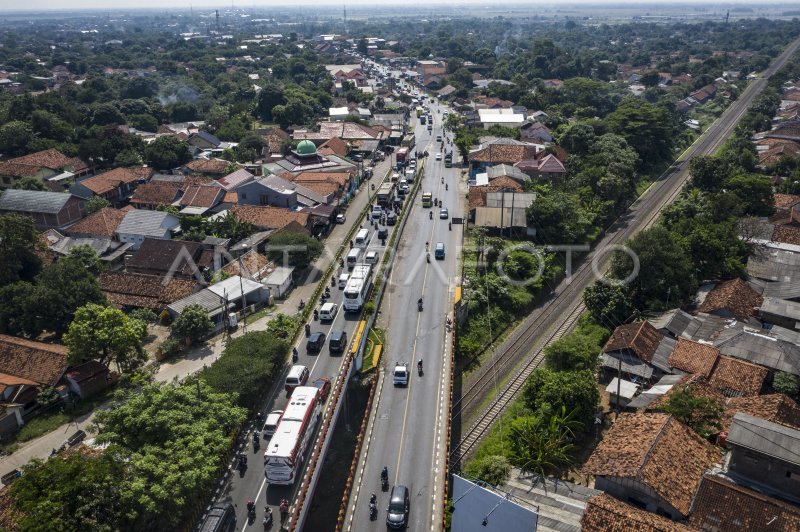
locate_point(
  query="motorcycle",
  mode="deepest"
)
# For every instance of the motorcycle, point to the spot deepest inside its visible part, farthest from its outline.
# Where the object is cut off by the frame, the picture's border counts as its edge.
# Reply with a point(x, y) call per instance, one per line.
point(428, 257)
point(256, 441)
point(295, 354)
point(419, 368)
point(316, 314)
point(333, 281)
point(449, 226)
point(373, 507)
point(385, 479)
point(446, 187)
point(301, 305)
point(251, 509)
point(242, 462)
point(431, 215)
point(419, 305)
point(284, 508)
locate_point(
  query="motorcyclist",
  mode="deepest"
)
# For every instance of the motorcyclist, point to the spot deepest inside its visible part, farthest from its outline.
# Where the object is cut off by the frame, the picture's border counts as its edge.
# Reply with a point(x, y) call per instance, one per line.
point(446, 187)
point(428, 257)
point(426, 246)
point(449, 226)
point(431, 215)
point(373, 498)
point(295, 354)
point(385, 471)
point(251, 507)
point(419, 364)
point(442, 179)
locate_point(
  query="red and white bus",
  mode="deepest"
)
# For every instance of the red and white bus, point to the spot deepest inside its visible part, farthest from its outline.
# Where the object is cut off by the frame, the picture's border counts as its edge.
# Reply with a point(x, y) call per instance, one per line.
point(284, 454)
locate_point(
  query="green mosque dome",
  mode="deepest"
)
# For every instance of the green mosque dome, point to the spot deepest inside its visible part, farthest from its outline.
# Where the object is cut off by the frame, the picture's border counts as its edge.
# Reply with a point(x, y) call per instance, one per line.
point(306, 147)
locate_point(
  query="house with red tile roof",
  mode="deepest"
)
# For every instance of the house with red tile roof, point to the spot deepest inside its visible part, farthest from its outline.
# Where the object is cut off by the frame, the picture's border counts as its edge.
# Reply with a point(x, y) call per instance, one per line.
point(694, 357)
point(128, 290)
point(102, 223)
point(639, 350)
point(199, 199)
point(115, 186)
point(42, 164)
point(154, 194)
point(736, 378)
point(25, 367)
point(776, 407)
point(268, 217)
point(721, 504)
point(548, 168)
point(652, 461)
point(604, 513)
point(334, 146)
point(499, 151)
point(236, 179)
point(210, 167)
point(733, 298)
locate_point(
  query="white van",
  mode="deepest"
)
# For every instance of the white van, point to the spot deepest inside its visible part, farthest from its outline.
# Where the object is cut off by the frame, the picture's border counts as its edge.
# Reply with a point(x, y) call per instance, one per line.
point(371, 257)
point(343, 278)
point(328, 311)
point(298, 376)
point(352, 257)
point(363, 237)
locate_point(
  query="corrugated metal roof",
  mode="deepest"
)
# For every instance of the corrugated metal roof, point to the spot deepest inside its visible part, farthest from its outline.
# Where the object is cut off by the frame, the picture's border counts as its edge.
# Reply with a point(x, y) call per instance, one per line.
point(630, 364)
point(147, 223)
point(33, 201)
point(232, 287)
point(767, 351)
point(781, 307)
point(205, 298)
point(765, 437)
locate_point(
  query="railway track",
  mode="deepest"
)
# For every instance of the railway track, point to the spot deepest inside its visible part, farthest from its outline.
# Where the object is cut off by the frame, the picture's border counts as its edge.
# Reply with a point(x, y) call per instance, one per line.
point(523, 351)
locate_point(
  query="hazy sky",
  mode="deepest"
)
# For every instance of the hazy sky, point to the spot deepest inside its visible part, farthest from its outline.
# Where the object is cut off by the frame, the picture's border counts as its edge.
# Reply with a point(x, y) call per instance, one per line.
point(37, 5)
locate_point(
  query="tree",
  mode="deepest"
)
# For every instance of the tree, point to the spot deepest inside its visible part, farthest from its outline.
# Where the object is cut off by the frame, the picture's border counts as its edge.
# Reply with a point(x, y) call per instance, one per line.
point(573, 352)
point(107, 335)
point(361, 46)
point(64, 287)
point(172, 437)
point(86, 257)
point(18, 314)
point(608, 302)
point(754, 193)
point(666, 276)
point(143, 122)
point(95, 203)
point(708, 173)
point(105, 114)
point(577, 139)
point(167, 152)
point(87, 498)
point(297, 249)
point(576, 391)
point(30, 183)
point(14, 138)
point(646, 128)
point(19, 242)
point(558, 218)
point(248, 366)
point(268, 98)
point(193, 323)
point(701, 414)
point(785, 383)
point(128, 158)
point(493, 469)
point(540, 444)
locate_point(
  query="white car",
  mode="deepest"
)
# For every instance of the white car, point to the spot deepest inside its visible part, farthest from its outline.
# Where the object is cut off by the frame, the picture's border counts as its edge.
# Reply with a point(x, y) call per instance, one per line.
point(371, 257)
point(439, 156)
point(400, 375)
point(340, 218)
point(271, 424)
point(343, 278)
point(377, 212)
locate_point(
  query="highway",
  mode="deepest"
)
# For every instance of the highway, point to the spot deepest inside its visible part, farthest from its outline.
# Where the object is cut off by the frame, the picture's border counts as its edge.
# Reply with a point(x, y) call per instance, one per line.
point(251, 484)
point(521, 352)
point(408, 425)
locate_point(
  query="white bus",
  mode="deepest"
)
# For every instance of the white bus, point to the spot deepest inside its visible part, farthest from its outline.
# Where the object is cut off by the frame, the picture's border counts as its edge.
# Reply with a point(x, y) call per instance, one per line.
point(357, 289)
point(284, 454)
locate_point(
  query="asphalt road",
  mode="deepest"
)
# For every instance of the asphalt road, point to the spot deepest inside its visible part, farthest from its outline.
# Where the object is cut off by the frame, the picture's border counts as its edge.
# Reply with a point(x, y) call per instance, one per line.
point(251, 484)
point(408, 426)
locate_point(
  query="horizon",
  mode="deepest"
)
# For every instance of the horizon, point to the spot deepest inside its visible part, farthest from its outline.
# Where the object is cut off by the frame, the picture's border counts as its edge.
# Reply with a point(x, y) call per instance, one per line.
point(36, 6)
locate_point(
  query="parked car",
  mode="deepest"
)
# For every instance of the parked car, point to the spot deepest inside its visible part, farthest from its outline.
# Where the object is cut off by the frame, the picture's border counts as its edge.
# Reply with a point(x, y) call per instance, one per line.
point(323, 384)
point(340, 218)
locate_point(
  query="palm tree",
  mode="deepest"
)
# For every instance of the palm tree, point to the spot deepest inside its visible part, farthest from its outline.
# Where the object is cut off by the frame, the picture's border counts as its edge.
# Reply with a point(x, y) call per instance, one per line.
point(541, 443)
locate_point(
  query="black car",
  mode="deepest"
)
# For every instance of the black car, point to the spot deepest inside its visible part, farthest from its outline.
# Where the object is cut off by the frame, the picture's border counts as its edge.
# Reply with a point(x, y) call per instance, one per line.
point(383, 233)
point(315, 342)
point(397, 513)
point(391, 218)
